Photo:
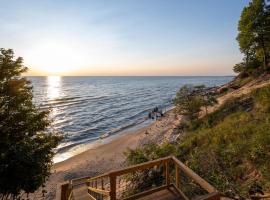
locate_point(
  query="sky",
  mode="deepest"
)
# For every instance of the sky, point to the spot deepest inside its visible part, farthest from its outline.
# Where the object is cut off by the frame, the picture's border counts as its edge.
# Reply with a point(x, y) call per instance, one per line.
point(123, 37)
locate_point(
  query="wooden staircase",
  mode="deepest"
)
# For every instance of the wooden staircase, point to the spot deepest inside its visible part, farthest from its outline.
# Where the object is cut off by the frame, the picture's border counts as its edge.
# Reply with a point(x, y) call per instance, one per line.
point(165, 179)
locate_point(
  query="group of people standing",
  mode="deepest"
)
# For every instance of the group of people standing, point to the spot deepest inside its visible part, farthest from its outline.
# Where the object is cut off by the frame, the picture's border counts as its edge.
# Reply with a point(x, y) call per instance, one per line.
point(155, 113)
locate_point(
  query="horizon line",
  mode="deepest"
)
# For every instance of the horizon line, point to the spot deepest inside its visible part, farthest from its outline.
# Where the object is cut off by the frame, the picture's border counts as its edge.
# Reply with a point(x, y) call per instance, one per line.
point(128, 75)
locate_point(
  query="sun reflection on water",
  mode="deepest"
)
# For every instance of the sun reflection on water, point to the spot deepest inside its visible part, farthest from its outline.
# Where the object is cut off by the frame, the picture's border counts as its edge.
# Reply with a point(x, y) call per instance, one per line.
point(53, 87)
point(53, 93)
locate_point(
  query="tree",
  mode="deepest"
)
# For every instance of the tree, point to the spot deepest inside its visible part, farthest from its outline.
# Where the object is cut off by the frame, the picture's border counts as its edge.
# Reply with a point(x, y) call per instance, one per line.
point(188, 102)
point(209, 100)
point(26, 144)
point(254, 35)
point(144, 180)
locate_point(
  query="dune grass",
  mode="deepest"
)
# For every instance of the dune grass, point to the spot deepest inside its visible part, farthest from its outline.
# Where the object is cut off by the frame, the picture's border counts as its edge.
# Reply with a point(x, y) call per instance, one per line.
point(230, 147)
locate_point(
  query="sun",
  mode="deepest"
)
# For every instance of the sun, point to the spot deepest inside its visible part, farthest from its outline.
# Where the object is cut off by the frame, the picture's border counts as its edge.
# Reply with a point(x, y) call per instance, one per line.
point(54, 58)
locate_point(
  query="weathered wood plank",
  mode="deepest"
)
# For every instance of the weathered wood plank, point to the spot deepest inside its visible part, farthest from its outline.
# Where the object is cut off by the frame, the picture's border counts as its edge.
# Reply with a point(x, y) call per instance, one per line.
point(167, 173)
point(112, 187)
point(204, 184)
point(142, 166)
point(91, 197)
point(65, 191)
point(177, 176)
point(93, 182)
point(166, 194)
point(98, 177)
point(104, 192)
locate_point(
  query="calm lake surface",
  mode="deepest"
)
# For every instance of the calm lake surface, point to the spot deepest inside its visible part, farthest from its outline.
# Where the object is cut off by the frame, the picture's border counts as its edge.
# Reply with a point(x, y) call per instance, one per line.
point(88, 109)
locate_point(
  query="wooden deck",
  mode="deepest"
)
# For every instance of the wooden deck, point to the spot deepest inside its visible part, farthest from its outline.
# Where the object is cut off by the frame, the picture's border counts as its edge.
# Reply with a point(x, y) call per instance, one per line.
point(166, 194)
point(80, 193)
point(115, 186)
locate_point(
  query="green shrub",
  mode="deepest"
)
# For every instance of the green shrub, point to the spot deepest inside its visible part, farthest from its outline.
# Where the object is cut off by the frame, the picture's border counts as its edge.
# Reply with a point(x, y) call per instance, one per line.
point(229, 147)
point(149, 152)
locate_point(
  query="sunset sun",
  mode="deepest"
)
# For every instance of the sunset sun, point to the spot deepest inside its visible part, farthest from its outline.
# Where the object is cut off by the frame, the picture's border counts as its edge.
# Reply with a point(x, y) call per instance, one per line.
point(55, 58)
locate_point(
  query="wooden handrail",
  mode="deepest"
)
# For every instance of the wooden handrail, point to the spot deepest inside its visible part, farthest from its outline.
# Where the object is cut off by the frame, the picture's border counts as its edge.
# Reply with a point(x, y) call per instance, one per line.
point(141, 166)
point(98, 177)
point(103, 192)
point(204, 184)
point(166, 162)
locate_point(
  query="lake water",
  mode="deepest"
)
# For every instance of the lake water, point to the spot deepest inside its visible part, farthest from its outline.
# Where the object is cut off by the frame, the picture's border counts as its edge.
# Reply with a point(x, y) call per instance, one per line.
point(87, 109)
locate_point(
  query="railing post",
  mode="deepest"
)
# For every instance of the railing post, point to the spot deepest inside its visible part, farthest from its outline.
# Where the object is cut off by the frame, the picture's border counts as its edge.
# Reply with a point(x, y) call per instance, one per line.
point(70, 190)
point(95, 186)
point(167, 173)
point(87, 185)
point(112, 187)
point(177, 177)
point(102, 184)
point(102, 187)
point(64, 191)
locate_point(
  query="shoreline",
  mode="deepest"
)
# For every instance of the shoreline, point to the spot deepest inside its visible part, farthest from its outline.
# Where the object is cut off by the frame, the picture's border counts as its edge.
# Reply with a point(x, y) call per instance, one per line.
point(79, 149)
point(119, 141)
point(110, 156)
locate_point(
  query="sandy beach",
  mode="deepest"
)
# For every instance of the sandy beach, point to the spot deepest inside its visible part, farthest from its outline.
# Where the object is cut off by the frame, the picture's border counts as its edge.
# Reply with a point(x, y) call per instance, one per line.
point(110, 156)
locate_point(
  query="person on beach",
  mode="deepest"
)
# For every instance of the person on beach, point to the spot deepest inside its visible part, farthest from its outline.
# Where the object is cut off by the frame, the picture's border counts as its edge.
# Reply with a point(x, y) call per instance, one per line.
point(156, 113)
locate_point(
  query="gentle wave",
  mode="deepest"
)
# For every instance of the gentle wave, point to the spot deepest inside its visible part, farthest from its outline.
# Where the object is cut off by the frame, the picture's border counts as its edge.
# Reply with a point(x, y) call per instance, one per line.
point(87, 109)
point(121, 128)
point(64, 103)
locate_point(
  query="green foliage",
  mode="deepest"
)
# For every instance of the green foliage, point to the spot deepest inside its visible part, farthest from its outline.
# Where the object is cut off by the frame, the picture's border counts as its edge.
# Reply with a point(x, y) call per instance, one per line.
point(186, 103)
point(231, 106)
point(26, 145)
point(230, 148)
point(148, 152)
point(146, 179)
point(261, 97)
point(254, 37)
point(190, 100)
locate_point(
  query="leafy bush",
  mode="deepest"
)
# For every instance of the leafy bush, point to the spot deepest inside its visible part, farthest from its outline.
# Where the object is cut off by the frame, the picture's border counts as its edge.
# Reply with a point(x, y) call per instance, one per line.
point(146, 179)
point(148, 152)
point(190, 100)
point(229, 147)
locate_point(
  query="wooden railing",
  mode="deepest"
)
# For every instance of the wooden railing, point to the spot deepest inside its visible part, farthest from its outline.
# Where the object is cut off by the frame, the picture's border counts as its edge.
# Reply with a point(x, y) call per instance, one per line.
point(65, 192)
point(143, 179)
